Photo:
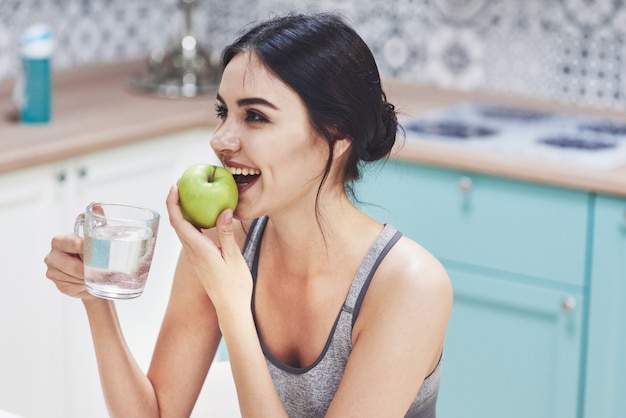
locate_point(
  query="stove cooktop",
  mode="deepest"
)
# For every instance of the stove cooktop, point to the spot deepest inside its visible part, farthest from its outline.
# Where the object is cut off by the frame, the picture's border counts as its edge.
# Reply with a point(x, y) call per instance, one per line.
point(558, 137)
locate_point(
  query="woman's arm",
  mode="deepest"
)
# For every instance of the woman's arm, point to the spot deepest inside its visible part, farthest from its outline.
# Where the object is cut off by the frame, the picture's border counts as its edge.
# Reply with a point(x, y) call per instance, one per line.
point(186, 346)
point(255, 390)
point(222, 272)
point(184, 351)
point(126, 389)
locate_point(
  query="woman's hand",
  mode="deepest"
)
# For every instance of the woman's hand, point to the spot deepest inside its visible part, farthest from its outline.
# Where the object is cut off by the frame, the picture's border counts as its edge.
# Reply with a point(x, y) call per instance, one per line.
point(65, 266)
point(215, 257)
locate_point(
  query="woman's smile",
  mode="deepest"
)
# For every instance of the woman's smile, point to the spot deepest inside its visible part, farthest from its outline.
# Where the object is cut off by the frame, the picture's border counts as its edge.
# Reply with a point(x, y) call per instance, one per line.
point(245, 177)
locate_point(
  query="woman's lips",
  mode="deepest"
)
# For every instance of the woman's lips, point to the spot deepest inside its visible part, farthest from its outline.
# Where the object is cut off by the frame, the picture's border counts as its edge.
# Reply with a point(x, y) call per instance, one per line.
point(246, 184)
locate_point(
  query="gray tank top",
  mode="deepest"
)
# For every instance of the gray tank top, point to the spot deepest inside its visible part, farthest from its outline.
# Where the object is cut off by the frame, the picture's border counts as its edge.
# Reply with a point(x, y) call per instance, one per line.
point(307, 392)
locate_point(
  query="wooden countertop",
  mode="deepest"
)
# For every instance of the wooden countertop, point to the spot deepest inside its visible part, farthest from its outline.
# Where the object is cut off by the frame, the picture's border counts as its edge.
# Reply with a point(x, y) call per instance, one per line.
point(93, 110)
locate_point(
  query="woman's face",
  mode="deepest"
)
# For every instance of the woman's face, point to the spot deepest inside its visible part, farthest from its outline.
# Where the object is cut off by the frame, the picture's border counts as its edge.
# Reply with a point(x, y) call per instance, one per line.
point(265, 139)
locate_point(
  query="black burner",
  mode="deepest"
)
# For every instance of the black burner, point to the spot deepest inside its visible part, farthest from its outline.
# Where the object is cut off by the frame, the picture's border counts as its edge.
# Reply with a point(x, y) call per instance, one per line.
point(512, 113)
point(450, 128)
point(577, 143)
point(611, 128)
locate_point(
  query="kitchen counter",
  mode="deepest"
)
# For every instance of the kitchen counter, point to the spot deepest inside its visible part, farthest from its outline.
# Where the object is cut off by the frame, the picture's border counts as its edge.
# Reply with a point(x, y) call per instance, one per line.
point(412, 100)
point(93, 111)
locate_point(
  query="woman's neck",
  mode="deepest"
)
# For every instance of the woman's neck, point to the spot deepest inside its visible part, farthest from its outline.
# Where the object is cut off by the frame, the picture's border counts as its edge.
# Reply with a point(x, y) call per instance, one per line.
point(310, 244)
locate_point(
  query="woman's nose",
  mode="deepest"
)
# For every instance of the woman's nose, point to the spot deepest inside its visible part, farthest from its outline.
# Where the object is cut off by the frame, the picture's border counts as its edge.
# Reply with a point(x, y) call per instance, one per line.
point(224, 142)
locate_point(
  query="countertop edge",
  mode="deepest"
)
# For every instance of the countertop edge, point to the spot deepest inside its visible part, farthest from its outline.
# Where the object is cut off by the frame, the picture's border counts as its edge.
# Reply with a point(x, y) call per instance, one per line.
point(610, 182)
point(76, 146)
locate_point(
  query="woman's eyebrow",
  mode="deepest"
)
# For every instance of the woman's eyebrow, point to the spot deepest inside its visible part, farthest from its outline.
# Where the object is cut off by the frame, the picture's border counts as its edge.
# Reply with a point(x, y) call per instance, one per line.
point(256, 101)
point(250, 101)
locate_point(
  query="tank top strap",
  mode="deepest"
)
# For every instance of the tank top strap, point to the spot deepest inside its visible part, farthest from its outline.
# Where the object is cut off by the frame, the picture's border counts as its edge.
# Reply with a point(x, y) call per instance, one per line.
point(384, 242)
point(252, 240)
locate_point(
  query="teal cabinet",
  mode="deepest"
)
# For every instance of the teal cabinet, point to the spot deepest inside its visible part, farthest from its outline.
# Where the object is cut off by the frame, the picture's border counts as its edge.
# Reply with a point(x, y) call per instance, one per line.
point(523, 228)
point(517, 255)
point(512, 350)
point(606, 364)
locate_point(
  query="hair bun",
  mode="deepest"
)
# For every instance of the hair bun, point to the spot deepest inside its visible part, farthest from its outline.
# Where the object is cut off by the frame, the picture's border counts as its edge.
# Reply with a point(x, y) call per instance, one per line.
point(381, 145)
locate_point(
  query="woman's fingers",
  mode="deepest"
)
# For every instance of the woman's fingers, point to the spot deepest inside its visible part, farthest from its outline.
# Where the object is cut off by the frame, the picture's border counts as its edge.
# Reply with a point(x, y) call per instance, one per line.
point(185, 230)
point(226, 235)
point(173, 210)
point(70, 243)
point(188, 234)
point(64, 258)
point(65, 266)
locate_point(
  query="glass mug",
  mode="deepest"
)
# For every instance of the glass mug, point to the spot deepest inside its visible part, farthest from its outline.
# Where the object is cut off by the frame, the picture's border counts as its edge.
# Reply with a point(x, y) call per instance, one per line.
point(119, 243)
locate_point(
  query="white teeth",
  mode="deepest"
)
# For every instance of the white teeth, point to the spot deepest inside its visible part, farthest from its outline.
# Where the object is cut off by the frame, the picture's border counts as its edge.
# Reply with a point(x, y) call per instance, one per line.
point(244, 171)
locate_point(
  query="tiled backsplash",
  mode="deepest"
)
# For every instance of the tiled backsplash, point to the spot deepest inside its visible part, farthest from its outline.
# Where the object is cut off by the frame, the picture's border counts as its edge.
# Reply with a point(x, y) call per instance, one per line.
point(569, 50)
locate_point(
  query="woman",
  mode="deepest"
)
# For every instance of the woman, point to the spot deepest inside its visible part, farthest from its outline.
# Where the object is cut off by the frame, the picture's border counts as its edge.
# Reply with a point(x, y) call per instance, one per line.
point(324, 311)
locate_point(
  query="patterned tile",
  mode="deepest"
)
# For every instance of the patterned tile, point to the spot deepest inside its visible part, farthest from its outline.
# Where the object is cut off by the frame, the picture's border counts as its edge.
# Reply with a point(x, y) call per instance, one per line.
point(568, 50)
point(589, 16)
point(591, 69)
point(477, 14)
point(456, 58)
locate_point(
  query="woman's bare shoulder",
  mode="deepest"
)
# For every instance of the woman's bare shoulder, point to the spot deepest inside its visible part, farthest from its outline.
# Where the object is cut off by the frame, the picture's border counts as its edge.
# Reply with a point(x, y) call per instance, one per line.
point(411, 275)
point(412, 262)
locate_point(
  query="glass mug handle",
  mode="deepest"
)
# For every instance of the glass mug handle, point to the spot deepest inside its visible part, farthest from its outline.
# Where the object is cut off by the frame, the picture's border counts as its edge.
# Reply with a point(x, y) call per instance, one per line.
point(79, 224)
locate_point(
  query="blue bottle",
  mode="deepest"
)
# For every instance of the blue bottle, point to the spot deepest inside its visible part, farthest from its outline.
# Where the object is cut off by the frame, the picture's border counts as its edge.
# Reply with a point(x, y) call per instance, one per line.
point(33, 89)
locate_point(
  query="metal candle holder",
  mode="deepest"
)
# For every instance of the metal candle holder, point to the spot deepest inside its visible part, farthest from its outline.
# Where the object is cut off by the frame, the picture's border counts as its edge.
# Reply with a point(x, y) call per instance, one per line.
point(183, 71)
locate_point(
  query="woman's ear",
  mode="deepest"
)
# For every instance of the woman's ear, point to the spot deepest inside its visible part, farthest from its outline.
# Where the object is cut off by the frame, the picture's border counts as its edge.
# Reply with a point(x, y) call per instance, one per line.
point(341, 144)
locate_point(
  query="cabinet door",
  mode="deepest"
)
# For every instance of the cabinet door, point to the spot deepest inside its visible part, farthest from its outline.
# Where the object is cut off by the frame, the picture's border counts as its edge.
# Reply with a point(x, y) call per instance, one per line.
point(512, 350)
point(31, 326)
point(606, 363)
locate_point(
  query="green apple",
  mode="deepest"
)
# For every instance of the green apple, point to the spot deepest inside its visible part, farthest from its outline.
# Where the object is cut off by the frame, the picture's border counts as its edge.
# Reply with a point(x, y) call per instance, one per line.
point(204, 191)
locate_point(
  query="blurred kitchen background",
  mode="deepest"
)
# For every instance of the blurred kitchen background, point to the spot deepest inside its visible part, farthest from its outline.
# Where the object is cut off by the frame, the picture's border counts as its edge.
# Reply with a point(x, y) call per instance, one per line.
point(569, 50)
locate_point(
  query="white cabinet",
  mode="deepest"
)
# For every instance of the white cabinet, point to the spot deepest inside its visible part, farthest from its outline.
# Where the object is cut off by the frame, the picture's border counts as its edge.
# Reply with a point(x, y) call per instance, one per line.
point(48, 367)
point(30, 310)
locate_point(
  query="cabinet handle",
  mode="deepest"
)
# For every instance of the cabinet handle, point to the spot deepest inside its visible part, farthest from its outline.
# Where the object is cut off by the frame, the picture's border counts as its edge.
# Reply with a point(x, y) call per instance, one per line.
point(82, 172)
point(465, 184)
point(61, 176)
point(569, 304)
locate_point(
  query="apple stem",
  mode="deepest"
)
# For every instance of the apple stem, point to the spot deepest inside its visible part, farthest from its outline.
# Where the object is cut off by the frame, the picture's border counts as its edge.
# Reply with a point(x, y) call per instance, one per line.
point(211, 177)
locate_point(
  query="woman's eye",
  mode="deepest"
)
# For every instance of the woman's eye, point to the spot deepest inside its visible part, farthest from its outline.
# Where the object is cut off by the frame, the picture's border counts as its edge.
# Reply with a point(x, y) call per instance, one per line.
point(220, 111)
point(253, 116)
